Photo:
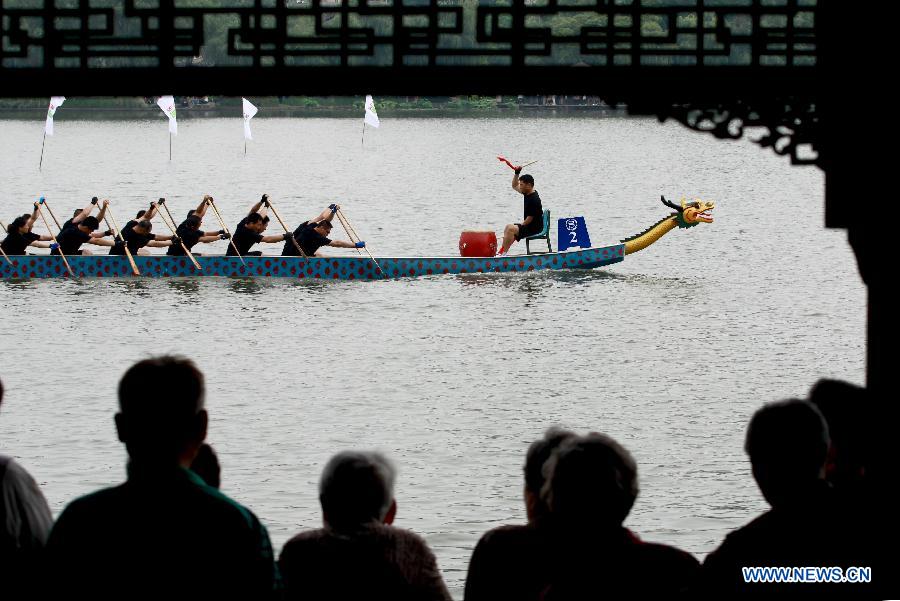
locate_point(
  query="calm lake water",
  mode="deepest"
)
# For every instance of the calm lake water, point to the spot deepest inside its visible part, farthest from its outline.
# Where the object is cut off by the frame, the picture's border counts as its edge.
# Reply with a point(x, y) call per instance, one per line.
point(670, 351)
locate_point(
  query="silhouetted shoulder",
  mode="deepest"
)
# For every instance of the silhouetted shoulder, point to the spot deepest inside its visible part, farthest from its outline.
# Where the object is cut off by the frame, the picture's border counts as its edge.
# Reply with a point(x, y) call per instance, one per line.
point(509, 535)
point(395, 542)
point(374, 562)
point(509, 562)
point(193, 494)
point(113, 539)
point(664, 555)
point(97, 503)
point(673, 570)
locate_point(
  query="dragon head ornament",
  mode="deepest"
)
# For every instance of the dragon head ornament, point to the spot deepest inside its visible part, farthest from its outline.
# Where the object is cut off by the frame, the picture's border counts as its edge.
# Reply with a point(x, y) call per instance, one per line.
point(689, 214)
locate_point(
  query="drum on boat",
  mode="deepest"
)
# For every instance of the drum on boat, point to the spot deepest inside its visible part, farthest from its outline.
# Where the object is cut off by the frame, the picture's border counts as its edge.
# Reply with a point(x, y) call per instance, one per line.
point(478, 243)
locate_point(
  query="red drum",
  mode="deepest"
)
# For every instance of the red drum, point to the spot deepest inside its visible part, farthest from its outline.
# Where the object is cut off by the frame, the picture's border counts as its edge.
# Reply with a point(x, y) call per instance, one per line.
point(477, 244)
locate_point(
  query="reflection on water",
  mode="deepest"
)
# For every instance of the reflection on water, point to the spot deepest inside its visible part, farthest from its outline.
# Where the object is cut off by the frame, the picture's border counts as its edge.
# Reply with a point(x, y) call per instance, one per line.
point(131, 286)
point(247, 285)
point(188, 287)
point(17, 285)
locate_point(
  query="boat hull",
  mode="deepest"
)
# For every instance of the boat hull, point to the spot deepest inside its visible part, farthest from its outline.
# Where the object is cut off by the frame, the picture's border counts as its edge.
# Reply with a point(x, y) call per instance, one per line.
point(332, 268)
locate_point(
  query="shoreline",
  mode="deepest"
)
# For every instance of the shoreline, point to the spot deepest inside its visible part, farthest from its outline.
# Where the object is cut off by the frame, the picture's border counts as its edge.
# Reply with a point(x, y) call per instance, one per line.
point(349, 112)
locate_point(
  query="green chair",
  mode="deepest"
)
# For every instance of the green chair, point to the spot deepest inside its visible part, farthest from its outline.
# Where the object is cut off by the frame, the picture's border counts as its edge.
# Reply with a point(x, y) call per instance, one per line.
point(544, 234)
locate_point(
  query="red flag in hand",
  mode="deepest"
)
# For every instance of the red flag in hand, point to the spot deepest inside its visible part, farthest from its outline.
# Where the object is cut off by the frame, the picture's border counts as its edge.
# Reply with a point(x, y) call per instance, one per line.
point(505, 160)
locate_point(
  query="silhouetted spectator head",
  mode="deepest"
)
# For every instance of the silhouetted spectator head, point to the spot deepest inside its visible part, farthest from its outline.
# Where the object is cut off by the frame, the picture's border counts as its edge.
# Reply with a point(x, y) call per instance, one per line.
point(206, 465)
point(162, 420)
point(357, 488)
point(787, 443)
point(846, 408)
point(591, 484)
point(535, 460)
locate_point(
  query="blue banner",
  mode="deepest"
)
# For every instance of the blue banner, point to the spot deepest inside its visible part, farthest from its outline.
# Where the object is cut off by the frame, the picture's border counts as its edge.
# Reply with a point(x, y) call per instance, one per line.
point(573, 233)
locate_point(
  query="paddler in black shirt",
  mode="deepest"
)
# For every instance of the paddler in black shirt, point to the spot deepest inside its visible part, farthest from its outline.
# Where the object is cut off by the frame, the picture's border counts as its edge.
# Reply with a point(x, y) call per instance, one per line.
point(249, 230)
point(19, 236)
point(190, 233)
point(533, 221)
point(312, 235)
point(81, 214)
point(142, 215)
point(83, 232)
point(139, 236)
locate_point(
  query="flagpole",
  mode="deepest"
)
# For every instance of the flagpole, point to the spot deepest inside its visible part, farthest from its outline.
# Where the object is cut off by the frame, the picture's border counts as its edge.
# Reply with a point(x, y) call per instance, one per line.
point(170, 146)
point(363, 140)
point(42, 150)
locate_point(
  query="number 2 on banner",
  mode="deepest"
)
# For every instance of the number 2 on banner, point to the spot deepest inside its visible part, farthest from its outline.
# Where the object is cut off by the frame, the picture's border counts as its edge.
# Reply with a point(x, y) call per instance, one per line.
point(573, 233)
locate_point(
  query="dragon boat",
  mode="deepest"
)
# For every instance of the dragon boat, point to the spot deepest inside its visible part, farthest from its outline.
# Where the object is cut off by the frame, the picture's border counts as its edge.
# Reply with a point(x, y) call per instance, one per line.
point(687, 215)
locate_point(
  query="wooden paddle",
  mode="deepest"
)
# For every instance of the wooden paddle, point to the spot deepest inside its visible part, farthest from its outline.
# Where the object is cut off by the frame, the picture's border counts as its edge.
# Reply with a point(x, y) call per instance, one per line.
point(349, 228)
point(5, 256)
point(122, 238)
point(171, 226)
point(55, 241)
point(286, 231)
point(52, 215)
point(212, 203)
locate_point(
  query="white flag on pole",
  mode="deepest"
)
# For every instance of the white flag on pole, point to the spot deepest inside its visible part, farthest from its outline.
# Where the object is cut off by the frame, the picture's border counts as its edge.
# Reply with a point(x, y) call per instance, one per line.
point(249, 111)
point(55, 103)
point(371, 116)
point(167, 105)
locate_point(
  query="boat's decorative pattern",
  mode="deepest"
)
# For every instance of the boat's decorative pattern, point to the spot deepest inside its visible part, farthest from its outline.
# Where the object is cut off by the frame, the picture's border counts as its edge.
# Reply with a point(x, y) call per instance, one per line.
point(330, 268)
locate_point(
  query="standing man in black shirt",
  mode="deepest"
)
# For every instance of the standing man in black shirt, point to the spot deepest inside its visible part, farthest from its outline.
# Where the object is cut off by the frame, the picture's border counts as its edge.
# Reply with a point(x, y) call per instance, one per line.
point(249, 230)
point(312, 235)
point(190, 233)
point(533, 222)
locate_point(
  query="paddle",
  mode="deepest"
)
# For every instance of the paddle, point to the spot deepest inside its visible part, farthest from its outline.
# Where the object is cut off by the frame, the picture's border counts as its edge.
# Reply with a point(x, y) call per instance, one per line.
point(52, 215)
point(122, 238)
point(212, 203)
point(286, 231)
point(349, 228)
point(5, 256)
point(171, 226)
point(52, 235)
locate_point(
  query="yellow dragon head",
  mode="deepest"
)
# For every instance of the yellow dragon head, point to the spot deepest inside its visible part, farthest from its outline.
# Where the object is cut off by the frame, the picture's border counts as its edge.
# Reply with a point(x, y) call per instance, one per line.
point(686, 215)
point(691, 213)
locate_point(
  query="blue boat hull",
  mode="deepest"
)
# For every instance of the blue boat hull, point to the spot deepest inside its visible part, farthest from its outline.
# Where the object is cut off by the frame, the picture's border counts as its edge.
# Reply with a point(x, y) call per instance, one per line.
point(332, 268)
